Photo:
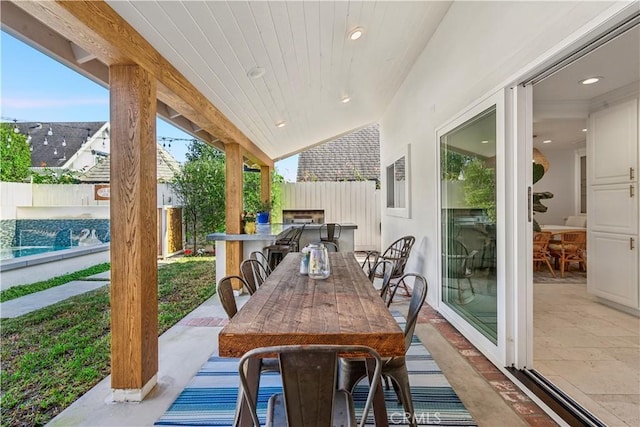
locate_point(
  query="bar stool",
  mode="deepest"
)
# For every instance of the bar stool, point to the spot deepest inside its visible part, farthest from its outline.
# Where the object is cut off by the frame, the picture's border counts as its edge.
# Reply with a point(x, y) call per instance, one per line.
point(287, 241)
point(330, 232)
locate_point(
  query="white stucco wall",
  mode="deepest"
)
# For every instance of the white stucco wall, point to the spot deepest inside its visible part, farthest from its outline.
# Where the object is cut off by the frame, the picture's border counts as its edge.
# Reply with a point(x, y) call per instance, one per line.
point(559, 180)
point(478, 46)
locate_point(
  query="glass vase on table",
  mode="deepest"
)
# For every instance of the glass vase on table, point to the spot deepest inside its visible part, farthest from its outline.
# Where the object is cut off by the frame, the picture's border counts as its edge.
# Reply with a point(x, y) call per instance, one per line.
point(319, 267)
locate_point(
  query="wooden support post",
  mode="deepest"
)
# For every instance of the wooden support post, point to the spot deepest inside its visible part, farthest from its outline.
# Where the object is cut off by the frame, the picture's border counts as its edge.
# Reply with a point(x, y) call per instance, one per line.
point(134, 273)
point(234, 206)
point(265, 183)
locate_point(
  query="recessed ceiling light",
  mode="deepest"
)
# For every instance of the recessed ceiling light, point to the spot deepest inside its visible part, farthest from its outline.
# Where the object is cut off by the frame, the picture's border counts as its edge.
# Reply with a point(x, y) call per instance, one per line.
point(356, 33)
point(584, 130)
point(546, 141)
point(281, 124)
point(484, 142)
point(345, 99)
point(256, 72)
point(591, 80)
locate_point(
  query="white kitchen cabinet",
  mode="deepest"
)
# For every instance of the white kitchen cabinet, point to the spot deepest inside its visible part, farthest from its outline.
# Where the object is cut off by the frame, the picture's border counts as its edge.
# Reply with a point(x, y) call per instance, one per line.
point(613, 208)
point(612, 267)
point(613, 217)
point(613, 151)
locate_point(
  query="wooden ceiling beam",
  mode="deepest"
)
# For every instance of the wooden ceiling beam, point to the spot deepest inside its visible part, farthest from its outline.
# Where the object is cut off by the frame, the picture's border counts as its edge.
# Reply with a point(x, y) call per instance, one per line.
point(96, 28)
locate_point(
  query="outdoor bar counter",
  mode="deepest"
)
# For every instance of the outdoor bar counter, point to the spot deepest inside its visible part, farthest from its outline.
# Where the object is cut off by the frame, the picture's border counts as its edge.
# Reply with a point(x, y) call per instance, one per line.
point(265, 235)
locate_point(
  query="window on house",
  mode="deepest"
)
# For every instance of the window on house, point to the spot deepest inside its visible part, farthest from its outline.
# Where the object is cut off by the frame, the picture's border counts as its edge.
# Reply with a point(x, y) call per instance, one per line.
point(397, 177)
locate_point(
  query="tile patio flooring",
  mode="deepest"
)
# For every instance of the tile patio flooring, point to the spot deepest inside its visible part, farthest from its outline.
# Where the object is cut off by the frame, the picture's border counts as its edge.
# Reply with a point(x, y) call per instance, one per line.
point(589, 350)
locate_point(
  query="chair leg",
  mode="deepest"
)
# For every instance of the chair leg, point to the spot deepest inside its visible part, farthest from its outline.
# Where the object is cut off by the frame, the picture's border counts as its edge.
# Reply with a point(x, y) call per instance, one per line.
point(550, 268)
point(400, 379)
point(405, 287)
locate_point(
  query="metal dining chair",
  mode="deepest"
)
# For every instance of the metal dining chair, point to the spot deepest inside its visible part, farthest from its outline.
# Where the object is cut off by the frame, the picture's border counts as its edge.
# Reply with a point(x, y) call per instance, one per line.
point(225, 293)
point(263, 260)
point(330, 232)
point(398, 252)
point(254, 274)
point(395, 368)
point(369, 262)
point(385, 290)
point(228, 300)
point(309, 395)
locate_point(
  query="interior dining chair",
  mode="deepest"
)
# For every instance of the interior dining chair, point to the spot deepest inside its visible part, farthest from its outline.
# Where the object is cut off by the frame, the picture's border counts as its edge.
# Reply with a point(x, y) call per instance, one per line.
point(254, 274)
point(398, 252)
point(258, 255)
point(541, 250)
point(330, 232)
point(309, 395)
point(571, 249)
point(395, 368)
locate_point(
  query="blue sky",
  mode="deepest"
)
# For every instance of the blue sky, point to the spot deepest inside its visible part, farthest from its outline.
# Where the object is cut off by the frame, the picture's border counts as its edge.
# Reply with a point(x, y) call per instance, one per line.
point(36, 88)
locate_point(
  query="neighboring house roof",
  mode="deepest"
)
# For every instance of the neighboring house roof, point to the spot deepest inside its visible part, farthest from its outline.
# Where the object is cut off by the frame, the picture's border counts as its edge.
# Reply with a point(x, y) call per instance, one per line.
point(352, 157)
point(55, 154)
point(167, 167)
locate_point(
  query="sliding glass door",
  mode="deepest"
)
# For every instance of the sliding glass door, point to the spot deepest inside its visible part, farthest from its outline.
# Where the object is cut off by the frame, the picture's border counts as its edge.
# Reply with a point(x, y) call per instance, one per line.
point(469, 210)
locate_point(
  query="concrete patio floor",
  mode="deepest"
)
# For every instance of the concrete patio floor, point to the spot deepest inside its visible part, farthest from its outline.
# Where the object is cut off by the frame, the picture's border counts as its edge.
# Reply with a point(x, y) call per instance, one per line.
point(489, 396)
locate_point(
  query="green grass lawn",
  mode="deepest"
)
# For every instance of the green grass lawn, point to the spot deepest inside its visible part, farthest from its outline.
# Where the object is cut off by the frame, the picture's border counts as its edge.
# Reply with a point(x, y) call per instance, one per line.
point(53, 356)
point(22, 290)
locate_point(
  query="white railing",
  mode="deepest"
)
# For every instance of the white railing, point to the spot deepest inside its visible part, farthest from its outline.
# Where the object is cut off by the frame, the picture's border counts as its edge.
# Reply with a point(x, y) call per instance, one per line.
point(355, 202)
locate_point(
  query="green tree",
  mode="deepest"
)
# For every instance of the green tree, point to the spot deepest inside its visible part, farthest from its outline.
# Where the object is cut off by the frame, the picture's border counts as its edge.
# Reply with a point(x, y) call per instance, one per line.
point(452, 163)
point(480, 187)
point(251, 193)
point(200, 188)
point(14, 154)
point(49, 176)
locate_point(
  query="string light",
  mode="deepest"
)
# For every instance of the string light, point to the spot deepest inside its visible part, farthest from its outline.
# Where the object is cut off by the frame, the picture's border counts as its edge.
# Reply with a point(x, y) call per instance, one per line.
point(166, 141)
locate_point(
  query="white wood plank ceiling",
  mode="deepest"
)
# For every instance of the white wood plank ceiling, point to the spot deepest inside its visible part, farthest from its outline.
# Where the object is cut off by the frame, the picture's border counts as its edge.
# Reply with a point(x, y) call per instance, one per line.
point(310, 63)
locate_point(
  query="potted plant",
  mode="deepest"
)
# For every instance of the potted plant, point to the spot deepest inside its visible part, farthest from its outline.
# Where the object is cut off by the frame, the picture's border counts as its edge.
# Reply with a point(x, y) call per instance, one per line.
point(263, 212)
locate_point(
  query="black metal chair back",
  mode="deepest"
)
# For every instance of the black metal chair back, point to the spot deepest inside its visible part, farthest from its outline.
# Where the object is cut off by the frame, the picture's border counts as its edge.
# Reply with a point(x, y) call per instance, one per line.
point(398, 252)
point(330, 232)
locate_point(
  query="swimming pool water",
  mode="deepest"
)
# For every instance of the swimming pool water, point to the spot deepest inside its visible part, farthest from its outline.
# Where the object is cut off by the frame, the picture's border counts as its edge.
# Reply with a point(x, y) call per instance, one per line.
point(17, 252)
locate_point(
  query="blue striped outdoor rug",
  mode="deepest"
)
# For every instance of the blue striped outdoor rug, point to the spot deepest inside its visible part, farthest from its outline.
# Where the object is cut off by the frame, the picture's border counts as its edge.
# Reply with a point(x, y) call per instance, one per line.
point(210, 398)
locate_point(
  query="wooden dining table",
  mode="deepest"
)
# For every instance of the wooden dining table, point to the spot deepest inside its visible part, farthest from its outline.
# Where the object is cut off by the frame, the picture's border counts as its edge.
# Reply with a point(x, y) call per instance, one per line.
point(293, 309)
